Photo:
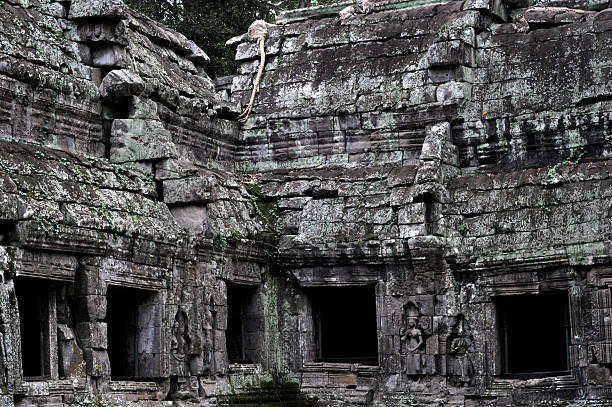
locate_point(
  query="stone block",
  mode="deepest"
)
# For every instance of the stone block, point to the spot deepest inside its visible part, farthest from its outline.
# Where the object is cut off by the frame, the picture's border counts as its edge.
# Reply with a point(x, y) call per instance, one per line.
point(221, 363)
point(494, 7)
point(219, 339)
point(57, 10)
point(71, 362)
point(392, 363)
point(89, 282)
point(192, 217)
point(96, 9)
point(410, 214)
point(140, 140)
point(416, 364)
point(96, 362)
point(408, 231)
point(248, 50)
point(104, 32)
point(93, 334)
point(109, 56)
point(450, 92)
point(450, 53)
point(196, 55)
point(194, 190)
point(121, 83)
point(429, 172)
point(89, 307)
point(342, 379)
point(315, 379)
point(6, 401)
point(41, 264)
point(432, 346)
point(141, 108)
point(152, 365)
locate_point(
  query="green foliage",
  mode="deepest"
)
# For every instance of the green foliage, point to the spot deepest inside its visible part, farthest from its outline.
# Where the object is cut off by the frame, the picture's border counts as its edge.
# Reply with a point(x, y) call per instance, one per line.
point(265, 210)
point(210, 23)
point(219, 242)
point(462, 229)
point(254, 188)
point(443, 29)
point(576, 154)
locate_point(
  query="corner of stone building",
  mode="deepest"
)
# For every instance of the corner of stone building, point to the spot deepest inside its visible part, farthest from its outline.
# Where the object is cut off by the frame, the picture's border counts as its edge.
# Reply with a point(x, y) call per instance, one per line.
point(413, 190)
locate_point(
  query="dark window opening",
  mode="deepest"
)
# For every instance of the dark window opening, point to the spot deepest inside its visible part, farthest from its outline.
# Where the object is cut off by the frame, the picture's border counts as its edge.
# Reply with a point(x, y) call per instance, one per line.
point(534, 334)
point(244, 324)
point(345, 321)
point(7, 231)
point(429, 211)
point(128, 322)
point(33, 304)
point(429, 215)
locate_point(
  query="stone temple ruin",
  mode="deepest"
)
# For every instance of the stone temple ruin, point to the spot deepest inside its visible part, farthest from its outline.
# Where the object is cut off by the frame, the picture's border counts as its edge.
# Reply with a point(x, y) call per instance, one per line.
point(418, 211)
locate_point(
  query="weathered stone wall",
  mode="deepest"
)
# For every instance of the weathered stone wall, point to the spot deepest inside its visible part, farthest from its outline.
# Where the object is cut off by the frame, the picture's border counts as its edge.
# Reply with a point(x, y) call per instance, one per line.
point(441, 163)
point(115, 193)
point(349, 94)
point(361, 92)
point(453, 156)
point(48, 94)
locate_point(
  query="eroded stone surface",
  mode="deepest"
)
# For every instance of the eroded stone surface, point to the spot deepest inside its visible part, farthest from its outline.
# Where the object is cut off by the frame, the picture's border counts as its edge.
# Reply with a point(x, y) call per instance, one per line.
point(443, 164)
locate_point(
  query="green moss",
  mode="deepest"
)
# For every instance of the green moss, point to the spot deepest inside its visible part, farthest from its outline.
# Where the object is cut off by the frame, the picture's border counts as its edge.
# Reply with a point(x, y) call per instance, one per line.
point(269, 393)
point(576, 154)
point(254, 188)
point(462, 229)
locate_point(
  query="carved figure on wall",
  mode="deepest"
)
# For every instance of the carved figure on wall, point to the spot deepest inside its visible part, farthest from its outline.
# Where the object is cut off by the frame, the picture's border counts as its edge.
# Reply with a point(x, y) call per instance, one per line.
point(185, 388)
point(208, 323)
point(3, 364)
point(179, 344)
point(410, 332)
point(460, 368)
point(412, 336)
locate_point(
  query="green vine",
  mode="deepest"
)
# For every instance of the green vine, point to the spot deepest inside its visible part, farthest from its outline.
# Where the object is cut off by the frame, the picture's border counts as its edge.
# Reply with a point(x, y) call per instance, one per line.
point(576, 154)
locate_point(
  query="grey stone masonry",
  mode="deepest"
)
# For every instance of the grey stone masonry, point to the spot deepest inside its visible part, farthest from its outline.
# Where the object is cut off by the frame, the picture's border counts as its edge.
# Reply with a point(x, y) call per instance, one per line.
point(417, 212)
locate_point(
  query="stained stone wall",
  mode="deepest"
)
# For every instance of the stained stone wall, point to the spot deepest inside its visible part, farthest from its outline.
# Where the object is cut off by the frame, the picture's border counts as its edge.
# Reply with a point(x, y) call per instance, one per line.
point(434, 165)
point(454, 157)
point(118, 203)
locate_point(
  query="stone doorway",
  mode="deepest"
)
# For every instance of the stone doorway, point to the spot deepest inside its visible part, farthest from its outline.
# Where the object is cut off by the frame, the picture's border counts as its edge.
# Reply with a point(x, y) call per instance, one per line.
point(345, 324)
point(133, 320)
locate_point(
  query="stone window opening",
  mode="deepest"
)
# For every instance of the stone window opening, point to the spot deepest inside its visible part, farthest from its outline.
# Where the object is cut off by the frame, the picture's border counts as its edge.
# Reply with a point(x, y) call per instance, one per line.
point(7, 231)
point(38, 328)
point(428, 200)
point(133, 333)
point(345, 324)
point(534, 334)
point(429, 214)
point(245, 324)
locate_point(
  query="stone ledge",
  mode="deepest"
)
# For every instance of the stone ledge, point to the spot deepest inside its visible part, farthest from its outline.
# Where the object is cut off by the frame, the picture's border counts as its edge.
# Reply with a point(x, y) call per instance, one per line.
point(332, 10)
point(127, 386)
point(335, 367)
point(50, 387)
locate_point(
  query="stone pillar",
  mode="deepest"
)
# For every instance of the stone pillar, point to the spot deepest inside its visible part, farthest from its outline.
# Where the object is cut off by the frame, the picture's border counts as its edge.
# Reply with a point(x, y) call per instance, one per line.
point(90, 311)
point(10, 346)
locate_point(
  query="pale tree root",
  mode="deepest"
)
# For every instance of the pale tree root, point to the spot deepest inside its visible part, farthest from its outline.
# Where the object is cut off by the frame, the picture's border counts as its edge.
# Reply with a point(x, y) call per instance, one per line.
point(262, 62)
